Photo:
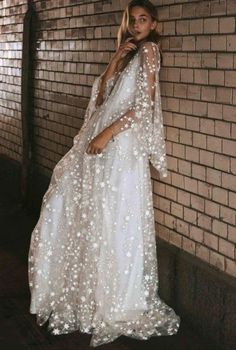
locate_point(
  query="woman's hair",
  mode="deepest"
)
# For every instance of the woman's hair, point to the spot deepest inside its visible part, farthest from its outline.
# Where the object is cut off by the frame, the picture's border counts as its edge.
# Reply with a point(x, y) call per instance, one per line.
point(124, 33)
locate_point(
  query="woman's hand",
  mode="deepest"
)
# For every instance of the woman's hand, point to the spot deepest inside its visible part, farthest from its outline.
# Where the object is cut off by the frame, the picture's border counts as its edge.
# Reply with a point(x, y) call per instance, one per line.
point(99, 142)
point(124, 48)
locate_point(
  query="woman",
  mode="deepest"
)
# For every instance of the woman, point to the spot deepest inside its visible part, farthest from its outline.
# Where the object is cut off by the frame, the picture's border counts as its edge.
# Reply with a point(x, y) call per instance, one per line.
point(92, 258)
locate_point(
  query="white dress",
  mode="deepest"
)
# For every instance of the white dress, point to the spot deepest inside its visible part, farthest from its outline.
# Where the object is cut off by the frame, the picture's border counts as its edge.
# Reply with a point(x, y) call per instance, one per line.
point(92, 257)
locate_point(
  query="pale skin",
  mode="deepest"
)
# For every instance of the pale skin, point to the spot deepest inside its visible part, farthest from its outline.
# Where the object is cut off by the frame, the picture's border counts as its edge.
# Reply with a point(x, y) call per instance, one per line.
point(141, 23)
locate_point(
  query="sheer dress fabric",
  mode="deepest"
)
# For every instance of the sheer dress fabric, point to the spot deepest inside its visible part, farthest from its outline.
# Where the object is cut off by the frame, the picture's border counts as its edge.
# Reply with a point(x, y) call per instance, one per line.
point(92, 261)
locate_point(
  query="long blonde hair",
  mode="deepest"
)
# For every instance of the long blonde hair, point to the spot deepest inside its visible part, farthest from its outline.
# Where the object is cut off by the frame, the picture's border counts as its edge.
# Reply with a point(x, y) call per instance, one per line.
point(124, 33)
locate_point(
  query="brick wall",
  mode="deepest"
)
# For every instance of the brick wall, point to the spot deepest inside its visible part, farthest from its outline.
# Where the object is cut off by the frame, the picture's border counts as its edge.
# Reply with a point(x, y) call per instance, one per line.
point(75, 40)
point(11, 28)
point(194, 206)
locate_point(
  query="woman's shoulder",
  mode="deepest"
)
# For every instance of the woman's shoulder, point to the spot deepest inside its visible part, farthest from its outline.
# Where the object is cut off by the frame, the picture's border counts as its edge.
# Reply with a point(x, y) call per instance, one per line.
point(149, 50)
point(149, 45)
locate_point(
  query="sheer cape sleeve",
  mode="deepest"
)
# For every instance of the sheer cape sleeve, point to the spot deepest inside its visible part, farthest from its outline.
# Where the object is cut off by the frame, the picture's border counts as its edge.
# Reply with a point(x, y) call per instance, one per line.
point(92, 107)
point(145, 114)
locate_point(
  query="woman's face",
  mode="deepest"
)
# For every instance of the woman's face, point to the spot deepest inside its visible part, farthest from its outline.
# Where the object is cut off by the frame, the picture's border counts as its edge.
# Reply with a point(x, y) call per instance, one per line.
point(141, 23)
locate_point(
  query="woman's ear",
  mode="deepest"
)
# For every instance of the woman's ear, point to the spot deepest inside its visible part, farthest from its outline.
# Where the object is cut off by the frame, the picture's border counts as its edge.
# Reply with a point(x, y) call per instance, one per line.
point(154, 25)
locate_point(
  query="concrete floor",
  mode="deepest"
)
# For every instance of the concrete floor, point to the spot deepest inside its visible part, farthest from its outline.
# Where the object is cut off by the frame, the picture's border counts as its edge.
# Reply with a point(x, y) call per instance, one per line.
point(18, 328)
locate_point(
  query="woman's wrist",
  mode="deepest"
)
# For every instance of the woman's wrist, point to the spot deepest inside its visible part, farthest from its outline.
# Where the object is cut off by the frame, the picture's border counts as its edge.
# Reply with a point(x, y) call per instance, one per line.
point(116, 58)
point(109, 129)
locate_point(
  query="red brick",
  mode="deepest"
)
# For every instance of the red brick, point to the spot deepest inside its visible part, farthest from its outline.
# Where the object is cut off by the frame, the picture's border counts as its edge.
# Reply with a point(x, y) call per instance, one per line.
point(200, 76)
point(225, 61)
point(231, 46)
point(207, 126)
point(212, 209)
point(189, 245)
point(222, 162)
point(199, 172)
point(220, 195)
point(218, 7)
point(178, 150)
point(199, 140)
point(228, 181)
point(230, 267)
point(227, 215)
point(218, 43)
point(227, 25)
point(176, 239)
point(203, 43)
point(230, 78)
point(183, 197)
point(214, 144)
point(180, 59)
point(224, 95)
point(196, 26)
point(202, 252)
point(232, 233)
point(182, 227)
point(229, 113)
point(209, 60)
point(226, 248)
point(206, 158)
point(190, 184)
point(190, 215)
point(211, 241)
point(211, 25)
point(196, 234)
point(232, 200)
point(182, 27)
point(217, 260)
point(192, 123)
point(208, 93)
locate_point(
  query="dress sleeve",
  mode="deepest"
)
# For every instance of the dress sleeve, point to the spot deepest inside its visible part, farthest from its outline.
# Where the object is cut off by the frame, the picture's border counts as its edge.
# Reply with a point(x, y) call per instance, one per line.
point(145, 115)
point(92, 107)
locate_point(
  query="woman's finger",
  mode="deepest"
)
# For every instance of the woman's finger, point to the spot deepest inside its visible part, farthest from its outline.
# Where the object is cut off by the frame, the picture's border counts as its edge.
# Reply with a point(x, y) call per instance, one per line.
point(95, 150)
point(88, 150)
point(131, 45)
point(128, 48)
point(129, 39)
point(126, 51)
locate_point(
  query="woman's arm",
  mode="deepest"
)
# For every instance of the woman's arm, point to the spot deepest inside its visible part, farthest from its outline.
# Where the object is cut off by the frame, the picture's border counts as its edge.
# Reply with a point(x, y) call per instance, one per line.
point(129, 118)
point(112, 67)
point(123, 123)
point(146, 101)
